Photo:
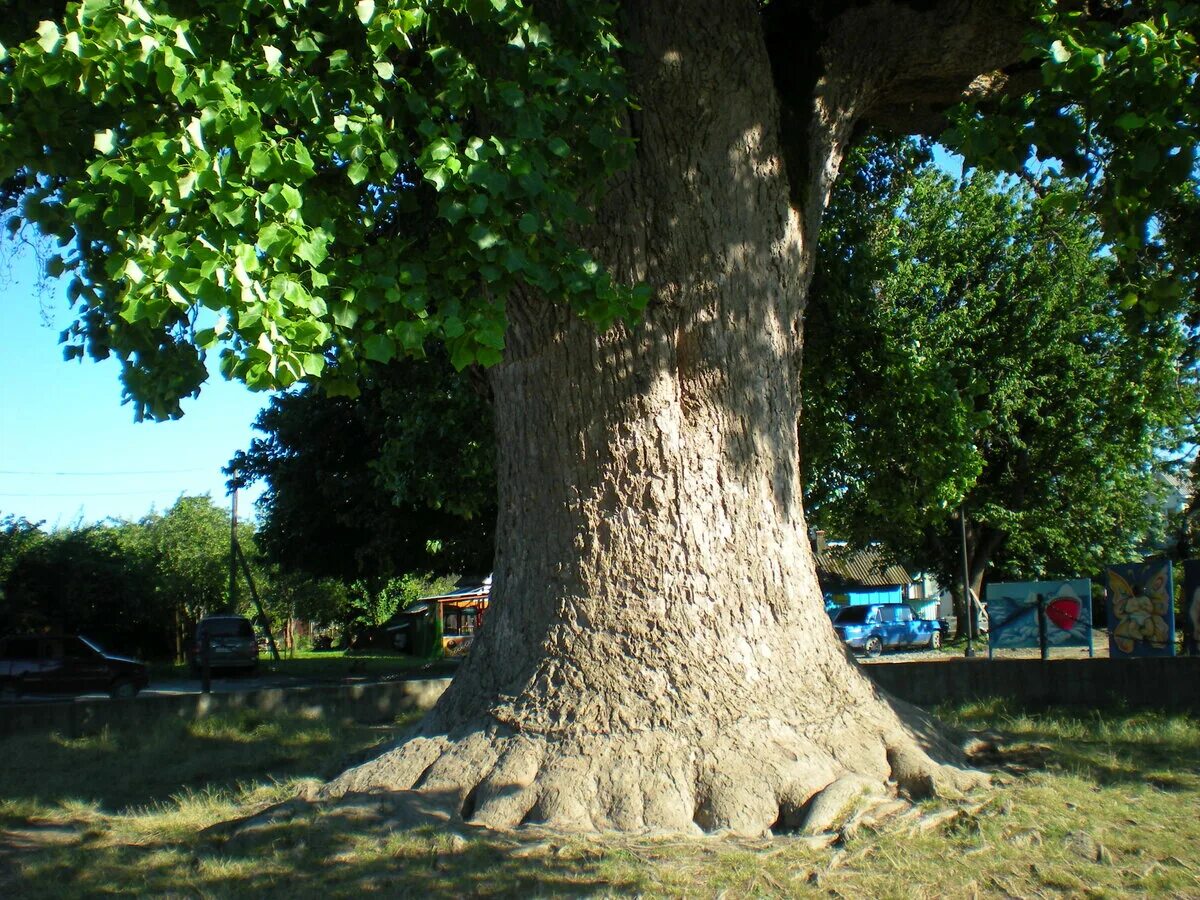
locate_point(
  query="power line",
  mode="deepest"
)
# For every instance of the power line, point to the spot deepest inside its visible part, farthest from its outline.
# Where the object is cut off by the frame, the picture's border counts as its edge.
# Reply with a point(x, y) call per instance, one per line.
point(98, 474)
point(76, 494)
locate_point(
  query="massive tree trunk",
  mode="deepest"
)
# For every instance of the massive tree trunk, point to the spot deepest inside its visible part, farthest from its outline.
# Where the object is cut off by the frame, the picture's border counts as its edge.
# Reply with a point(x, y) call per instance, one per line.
point(658, 655)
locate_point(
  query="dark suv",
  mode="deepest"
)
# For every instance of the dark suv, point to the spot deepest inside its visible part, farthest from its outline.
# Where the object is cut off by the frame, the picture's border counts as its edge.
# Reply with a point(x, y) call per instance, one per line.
point(231, 644)
point(61, 664)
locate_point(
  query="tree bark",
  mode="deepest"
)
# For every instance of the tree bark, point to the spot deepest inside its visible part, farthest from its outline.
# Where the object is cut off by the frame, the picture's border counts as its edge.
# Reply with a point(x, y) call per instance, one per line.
point(657, 655)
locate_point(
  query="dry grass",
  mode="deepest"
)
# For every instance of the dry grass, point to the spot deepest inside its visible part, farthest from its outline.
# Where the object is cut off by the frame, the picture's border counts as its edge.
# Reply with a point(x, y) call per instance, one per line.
point(1099, 805)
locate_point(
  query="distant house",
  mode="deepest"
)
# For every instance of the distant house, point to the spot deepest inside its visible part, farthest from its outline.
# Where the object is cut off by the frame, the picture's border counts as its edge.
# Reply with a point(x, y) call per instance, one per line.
point(455, 616)
point(850, 577)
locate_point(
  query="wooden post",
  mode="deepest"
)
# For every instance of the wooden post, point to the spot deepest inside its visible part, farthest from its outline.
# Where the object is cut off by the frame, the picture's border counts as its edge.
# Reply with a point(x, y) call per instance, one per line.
point(1043, 638)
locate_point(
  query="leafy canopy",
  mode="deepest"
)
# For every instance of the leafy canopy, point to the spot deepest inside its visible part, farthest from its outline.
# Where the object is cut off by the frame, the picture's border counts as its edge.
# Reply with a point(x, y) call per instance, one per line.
point(399, 479)
point(300, 182)
point(295, 180)
point(965, 341)
point(1115, 103)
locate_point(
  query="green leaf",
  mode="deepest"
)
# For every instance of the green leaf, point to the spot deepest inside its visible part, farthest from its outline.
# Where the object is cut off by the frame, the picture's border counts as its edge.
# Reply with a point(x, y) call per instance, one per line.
point(260, 162)
point(1059, 53)
point(313, 252)
point(1129, 121)
point(365, 10)
point(105, 141)
point(559, 147)
point(379, 348)
point(462, 354)
point(484, 237)
point(314, 364)
point(48, 36)
point(358, 172)
point(440, 149)
point(451, 210)
point(528, 223)
point(488, 356)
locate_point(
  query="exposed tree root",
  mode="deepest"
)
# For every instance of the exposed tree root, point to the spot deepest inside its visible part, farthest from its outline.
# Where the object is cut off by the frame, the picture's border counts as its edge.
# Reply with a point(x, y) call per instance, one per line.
point(749, 779)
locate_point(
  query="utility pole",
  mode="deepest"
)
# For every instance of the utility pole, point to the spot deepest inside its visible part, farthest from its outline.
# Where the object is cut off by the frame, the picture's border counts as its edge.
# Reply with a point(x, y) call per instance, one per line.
point(262, 613)
point(962, 521)
point(233, 552)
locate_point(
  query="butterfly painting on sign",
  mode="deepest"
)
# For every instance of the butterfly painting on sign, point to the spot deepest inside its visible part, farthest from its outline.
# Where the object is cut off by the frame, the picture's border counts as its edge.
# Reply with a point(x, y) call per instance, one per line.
point(1141, 614)
point(1013, 613)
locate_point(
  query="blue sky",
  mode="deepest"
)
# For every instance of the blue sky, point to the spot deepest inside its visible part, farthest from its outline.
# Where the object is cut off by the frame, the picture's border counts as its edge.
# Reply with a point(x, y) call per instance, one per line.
point(69, 450)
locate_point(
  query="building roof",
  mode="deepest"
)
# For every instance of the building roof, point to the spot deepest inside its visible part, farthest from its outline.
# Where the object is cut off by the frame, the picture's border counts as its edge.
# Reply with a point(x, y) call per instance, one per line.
point(470, 592)
point(840, 567)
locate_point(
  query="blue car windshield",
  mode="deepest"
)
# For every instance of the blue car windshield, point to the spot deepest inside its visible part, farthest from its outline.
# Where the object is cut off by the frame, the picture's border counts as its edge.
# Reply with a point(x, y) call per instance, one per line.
point(852, 615)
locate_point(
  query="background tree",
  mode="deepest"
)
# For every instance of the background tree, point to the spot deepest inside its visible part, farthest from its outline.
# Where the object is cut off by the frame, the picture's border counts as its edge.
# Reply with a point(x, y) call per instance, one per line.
point(92, 580)
point(189, 544)
point(398, 479)
point(299, 182)
point(967, 345)
point(17, 537)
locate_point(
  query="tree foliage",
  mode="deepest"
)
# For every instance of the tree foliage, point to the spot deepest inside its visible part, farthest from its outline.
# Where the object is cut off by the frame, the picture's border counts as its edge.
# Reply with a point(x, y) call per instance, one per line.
point(189, 547)
point(399, 479)
point(1113, 103)
point(337, 181)
point(966, 343)
point(295, 181)
point(140, 586)
point(96, 580)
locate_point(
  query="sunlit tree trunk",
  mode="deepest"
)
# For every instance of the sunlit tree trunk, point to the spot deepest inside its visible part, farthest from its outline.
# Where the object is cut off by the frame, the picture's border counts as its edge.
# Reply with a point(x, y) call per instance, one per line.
point(658, 655)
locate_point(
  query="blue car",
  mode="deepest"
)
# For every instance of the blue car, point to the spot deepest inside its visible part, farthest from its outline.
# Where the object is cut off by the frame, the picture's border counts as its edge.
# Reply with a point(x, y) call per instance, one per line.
point(875, 627)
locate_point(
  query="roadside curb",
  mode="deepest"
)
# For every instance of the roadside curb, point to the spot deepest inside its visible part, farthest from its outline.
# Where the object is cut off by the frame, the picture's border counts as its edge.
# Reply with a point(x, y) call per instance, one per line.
point(366, 703)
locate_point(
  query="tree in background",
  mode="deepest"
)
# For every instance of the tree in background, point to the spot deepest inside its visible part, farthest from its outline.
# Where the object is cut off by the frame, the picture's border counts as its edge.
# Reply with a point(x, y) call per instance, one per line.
point(18, 536)
point(398, 479)
point(189, 546)
point(327, 182)
point(967, 345)
point(94, 580)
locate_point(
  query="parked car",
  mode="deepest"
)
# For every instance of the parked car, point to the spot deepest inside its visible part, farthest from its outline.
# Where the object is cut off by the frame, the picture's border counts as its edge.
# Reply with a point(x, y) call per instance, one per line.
point(65, 664)
point(875, 627)
point(230, 641)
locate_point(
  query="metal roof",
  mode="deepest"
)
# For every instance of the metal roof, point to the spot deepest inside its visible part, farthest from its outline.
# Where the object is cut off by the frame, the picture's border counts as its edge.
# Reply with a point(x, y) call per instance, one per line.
point(470, 592)
point(839, 566)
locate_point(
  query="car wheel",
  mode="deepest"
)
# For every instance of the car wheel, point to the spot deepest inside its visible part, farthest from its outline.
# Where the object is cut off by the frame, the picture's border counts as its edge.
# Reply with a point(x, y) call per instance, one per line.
point(935, 641)
point(873, 647)
point(123, 690)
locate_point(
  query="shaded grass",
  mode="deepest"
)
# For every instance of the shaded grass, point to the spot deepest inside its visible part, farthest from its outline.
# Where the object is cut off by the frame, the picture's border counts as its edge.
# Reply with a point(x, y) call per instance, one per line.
point(1129, 781)
point(117, 772)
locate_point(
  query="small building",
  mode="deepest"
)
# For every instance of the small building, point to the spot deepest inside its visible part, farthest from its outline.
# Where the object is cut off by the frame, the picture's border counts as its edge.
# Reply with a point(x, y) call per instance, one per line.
point(455, 616)
point(850, 577)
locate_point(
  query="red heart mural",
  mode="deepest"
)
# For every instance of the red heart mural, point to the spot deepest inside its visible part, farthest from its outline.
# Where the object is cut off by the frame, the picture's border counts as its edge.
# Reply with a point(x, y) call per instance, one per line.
point(1064, 612)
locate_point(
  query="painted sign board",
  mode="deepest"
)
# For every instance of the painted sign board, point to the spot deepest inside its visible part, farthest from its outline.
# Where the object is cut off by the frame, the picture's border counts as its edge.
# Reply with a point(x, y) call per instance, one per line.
point(1141, 609)
point(1191, 607)
point(1066, 612)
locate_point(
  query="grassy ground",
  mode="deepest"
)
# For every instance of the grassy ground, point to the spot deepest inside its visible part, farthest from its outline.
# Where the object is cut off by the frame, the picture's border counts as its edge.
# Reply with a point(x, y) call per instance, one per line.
point(333, 665)
point(1098, 805)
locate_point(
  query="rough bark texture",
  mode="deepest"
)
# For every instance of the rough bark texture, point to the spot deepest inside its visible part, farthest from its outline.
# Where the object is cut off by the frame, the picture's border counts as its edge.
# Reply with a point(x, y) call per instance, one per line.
point(658, 656)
